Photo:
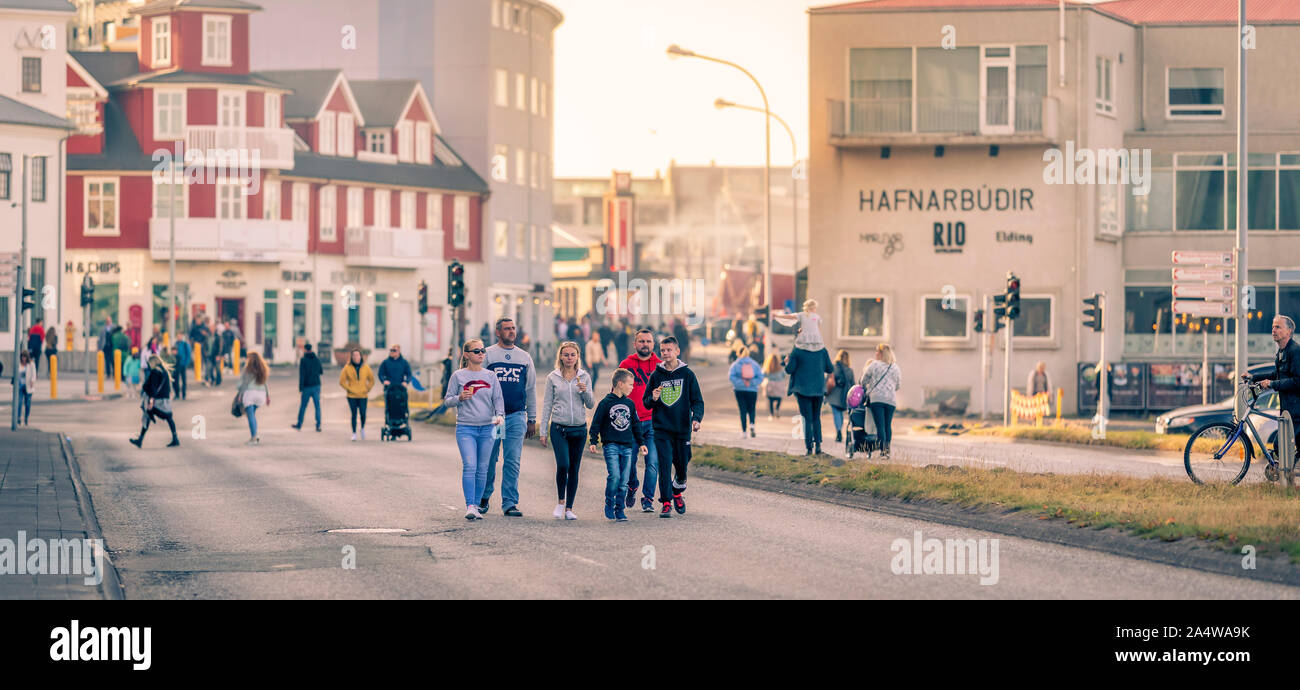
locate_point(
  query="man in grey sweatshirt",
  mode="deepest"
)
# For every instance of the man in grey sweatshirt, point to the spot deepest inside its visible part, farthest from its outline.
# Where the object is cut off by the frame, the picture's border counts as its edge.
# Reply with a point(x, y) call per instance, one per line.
point(514, 369)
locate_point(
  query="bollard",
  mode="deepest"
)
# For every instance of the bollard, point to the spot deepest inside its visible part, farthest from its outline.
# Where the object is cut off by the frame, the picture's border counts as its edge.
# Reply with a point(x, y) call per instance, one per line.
point(99, 366)
point(198, 363)
point(1060, 396)
point(54, 377)
point(167, 339)
point(117, 370)
point(234, 357)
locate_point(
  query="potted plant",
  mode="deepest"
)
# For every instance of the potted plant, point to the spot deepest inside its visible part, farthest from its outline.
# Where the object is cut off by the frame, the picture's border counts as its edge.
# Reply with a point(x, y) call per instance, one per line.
point(341, 354)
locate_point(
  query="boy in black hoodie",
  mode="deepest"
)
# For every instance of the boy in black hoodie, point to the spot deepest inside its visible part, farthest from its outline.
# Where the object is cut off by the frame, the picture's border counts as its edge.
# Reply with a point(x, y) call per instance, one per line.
point(616, 422)
point(676, 406)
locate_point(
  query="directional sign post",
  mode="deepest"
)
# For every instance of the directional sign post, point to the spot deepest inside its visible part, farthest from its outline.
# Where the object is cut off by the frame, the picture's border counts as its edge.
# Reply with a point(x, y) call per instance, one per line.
point(1200, 308)
point(1183, 257)
point(1206, 274)
point(1203, 291)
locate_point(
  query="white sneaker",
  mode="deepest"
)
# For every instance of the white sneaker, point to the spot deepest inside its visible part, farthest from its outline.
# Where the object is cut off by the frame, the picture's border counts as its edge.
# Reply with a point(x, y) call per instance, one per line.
point(570, 515)
point(559, 512)
point(354, 436)
point(744, 433)
point(250, 442)
point(363, 434)
point(471, 513)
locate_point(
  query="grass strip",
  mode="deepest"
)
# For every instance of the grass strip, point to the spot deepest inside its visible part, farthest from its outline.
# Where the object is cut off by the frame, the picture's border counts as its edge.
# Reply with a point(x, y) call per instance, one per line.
point(1262, 515)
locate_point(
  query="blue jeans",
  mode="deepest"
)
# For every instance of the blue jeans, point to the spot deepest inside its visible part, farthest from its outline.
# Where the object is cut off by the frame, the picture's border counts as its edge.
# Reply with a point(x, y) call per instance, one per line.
point(475, 444)
point(651, 464)
point(251, 413)
point(516, 426)
point(24, 404)
point(618, 463)
point(837, 414)
point(311, 393)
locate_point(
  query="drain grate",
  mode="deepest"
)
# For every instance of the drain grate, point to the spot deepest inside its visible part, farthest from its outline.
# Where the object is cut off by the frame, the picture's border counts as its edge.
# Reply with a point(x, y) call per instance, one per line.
point(366, 530)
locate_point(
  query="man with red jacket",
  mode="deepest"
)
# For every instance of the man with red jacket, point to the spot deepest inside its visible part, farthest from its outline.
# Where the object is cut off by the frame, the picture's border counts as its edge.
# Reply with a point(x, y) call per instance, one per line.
point(642, 364)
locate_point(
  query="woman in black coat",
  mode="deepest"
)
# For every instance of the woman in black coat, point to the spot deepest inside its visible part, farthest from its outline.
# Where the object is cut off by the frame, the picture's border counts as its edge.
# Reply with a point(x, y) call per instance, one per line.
point(838, 397)
point(808, 370)
point(155, 400)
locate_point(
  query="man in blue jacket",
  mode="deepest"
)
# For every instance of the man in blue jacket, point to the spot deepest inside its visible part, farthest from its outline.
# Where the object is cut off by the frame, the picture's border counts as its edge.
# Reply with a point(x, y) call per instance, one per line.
point(395, 371)
point(514, 369)
point(309, 373)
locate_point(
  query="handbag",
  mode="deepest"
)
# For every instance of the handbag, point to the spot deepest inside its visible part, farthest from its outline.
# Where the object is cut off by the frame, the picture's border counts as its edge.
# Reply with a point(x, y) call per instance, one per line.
point(237, 407)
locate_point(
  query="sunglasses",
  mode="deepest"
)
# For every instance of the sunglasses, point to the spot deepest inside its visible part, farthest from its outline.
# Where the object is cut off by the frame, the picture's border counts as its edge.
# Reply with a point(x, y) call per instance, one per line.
point(476, 351)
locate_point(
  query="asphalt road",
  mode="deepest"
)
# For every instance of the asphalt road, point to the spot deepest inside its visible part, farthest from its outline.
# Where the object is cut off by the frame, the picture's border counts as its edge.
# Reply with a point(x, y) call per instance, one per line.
point(218, 519)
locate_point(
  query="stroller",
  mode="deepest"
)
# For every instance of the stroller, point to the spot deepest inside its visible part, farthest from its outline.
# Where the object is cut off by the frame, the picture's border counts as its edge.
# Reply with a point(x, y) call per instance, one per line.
point(395, 414)
point(859, 428)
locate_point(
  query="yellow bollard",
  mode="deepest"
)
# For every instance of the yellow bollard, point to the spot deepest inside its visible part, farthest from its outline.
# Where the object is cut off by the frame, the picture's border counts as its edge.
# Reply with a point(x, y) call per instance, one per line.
point(99, 365)
point(54, 377)
point(167, 339)
point(117, 370)
point(234, 357)
point(198, 362)
point(1060, 396)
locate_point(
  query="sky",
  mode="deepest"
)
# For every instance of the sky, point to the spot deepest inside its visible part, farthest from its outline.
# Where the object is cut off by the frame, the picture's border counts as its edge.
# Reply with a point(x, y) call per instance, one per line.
point(621, 103)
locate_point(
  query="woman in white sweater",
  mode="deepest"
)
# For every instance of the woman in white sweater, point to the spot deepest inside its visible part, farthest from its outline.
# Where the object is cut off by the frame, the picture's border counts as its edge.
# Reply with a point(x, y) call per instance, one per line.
point(26, 385)
point(881, 380)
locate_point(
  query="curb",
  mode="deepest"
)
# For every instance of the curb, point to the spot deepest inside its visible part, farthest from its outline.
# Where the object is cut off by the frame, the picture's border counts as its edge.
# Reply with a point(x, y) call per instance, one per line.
point(111, 586)
point(1182, 553)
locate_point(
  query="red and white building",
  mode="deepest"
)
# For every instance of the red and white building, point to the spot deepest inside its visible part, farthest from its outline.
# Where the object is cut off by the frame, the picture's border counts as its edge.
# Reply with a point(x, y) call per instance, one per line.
point(354, 198)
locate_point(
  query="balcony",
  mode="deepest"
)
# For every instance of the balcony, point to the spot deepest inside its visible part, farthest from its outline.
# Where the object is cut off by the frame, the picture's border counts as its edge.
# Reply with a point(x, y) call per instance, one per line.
point(392, 248)
point(212, 239)
point(864, 123)
point(272, 147)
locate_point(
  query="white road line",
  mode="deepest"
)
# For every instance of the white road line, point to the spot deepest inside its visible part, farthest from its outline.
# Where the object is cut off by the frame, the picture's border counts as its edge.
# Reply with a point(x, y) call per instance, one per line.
point(588, 561)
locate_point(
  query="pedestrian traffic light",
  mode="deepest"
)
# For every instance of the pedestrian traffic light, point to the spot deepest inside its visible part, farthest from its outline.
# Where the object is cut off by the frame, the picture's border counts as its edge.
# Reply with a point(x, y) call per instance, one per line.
point(979, 320)
point(455, 284)
point(87, 292)
point(29, 299)
point(1093, 315)
point(424, 298)
point(1013, 296)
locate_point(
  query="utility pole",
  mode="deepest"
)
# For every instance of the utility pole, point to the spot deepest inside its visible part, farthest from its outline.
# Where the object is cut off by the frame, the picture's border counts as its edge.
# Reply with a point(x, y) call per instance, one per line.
point(19, 295)
point(1239, 358)
point(1006, 376)
point(985, 337)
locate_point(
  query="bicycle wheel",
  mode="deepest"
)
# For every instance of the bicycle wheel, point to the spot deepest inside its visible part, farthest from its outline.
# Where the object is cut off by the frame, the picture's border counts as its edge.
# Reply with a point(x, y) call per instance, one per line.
point(1211, 459)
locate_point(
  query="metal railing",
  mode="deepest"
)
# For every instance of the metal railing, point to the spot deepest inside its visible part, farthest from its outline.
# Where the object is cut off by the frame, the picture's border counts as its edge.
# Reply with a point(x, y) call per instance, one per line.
point(865, 117)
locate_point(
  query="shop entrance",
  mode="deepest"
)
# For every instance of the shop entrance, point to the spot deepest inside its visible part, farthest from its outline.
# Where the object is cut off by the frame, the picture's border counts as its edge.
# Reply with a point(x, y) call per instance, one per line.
point(232, 308)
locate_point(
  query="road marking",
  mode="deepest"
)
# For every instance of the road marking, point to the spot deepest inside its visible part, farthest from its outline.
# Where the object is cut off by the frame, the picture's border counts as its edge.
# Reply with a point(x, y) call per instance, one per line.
point(366, 530)
point(588, 561)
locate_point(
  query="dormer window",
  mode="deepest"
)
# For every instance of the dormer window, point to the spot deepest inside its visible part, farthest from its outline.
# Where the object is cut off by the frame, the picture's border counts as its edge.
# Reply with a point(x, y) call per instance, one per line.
point(216, 40)
point(377, 141)
point(162, 41)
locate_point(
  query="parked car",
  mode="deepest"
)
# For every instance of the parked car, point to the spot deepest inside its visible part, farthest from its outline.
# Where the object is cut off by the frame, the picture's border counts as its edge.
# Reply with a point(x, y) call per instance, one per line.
point(1185, 420)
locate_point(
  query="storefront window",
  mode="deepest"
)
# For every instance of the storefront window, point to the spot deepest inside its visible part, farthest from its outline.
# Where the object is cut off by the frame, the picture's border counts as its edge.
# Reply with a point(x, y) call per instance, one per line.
point(862, 317)
point(299, 314)
point(1035, 320)
point(327, 317)
point(1151, 327)
point(354, 319)
point(1288, 302)
point(160, 307)
point(271, 312)
point(947, 321)
point(381, 321)
point(37, 283)
point(106, 306)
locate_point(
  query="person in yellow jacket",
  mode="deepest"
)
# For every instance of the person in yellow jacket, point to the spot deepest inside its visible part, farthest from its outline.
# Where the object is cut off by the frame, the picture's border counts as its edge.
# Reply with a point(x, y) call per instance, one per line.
point(357, 380)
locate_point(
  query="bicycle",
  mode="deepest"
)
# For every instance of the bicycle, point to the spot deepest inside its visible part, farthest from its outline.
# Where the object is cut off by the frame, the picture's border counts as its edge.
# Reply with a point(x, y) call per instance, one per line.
point(1220, 453)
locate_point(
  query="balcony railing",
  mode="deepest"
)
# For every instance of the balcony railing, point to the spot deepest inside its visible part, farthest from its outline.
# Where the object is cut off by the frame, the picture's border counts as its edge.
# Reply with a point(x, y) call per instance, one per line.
point(213, 239)
point(392, 247)
point(263, 146)
point(876, 121)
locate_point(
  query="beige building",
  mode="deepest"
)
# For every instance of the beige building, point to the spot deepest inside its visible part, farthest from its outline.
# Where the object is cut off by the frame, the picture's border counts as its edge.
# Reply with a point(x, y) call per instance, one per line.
point(935, 125)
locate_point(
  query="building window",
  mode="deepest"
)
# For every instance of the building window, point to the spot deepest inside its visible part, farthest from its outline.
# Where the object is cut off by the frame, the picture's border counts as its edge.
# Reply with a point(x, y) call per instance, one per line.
point(880, 90)
point(301, 202)
point(1105, 102)
point(407, 210)
point(541, 108)
point(1199, 200)
point(521, 91)
point(1035, 319)
point(945, 318)
point(496, 13)
point(1155, 209)
point(1108, 223)
point(328, 215)
point(534, 172)
point(231, 112)
point(460, 216)
point(216, 40)
point(1195, 93)
point(1262, 177)
point(162, 41)
point(503, 88)
point(300, 315)
point(423, 143)
point(326, 318)
point(6, 173)
point(502, 238)
point(378, 141)
point(432, 211)
point(168, 114)
point(501, 163)
point(326, 136)
point(1031, 87)
point(168, 195)
point(38, 178)
point(5, 321)
point(383, 208)
point(356, 207)
point(83, 111)
point(354, 318)
point(381, 320)
point(271, 200)
point(862, 316)
point(532, 103)
point(230, 200)
point(271, 111)
point(31, 75)
point(521, 167)
point(37, 283)
point(271, 315)
point(347, 135)
point(405, 141)
point(521, 239)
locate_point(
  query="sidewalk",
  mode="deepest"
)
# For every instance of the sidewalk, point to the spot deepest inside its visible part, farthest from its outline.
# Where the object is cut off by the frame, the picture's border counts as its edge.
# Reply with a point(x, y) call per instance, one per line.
point(39, 497)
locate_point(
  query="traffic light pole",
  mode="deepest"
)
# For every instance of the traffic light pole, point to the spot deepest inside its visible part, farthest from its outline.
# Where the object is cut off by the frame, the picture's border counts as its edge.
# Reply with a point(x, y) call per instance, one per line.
point(1103, 404)
point(86, 329)
point(985, 336)
point(18, 329)
point(1006, 376)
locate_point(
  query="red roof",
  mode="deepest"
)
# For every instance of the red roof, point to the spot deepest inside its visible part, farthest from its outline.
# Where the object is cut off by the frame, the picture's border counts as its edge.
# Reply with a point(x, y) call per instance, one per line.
point(1135, 11)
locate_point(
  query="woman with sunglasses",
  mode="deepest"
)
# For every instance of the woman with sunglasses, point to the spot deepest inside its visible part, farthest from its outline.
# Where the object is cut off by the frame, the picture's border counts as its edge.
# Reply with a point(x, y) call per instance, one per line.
point(476, 395)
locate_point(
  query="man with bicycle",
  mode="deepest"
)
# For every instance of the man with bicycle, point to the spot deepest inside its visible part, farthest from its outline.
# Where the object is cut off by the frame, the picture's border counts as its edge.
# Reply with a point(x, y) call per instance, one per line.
point(1285, 375)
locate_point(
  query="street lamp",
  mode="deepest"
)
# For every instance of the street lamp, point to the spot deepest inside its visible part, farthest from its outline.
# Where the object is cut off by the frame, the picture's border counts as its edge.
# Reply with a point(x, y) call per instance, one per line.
point(676, 51)
point(722, 104)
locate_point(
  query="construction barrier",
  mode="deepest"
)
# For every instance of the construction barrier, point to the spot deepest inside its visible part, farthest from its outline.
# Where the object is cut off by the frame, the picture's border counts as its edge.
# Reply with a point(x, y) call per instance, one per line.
point(1033, 407)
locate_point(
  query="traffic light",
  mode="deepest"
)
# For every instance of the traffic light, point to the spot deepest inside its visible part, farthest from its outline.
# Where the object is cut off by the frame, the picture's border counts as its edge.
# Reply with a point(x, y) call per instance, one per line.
point(424, 298)
point(29, 294)
point(1093, 316)
point(87, 292)
point(999, 308)
point(1013, 296)
point(455, 284)
point(979, 320)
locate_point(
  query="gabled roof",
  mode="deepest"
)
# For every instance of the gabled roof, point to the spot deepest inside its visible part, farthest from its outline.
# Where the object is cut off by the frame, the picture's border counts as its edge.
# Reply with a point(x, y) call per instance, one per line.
point(311, 91)
point(121, 148)
point(46, 5)
point(91, 81)
point(159, 6)
point(107, 67)
point(14, 113)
